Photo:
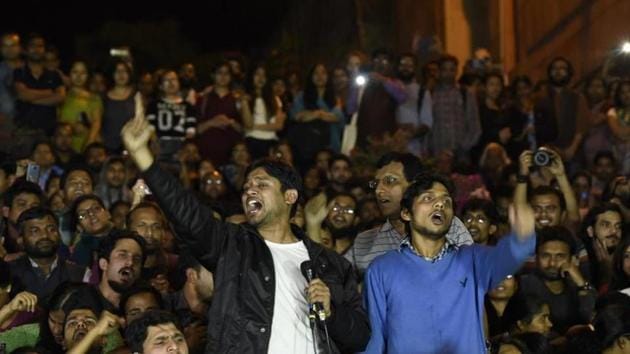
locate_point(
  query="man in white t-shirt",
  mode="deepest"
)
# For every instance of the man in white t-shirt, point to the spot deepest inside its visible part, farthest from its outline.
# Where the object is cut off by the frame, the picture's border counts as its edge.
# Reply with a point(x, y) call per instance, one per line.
point(261, 300)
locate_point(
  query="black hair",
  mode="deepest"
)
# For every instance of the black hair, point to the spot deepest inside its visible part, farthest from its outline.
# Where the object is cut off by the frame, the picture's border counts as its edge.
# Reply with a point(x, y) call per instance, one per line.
point(146, 205)
point(620, 280)
point(381, 51)
point(119, 203)
point(610, 324)
point(524, 79)
point(108, 243)
point(112, 71)
point(55, 302)
point(529, 343)
point(424, 182)
point(408, 55)
point(591, 217)
point(522, 308)
point(66, 174)
point(447, 58)
point(556, 233)
point(8, 168)
point(592, 79)
point(411, 163)
point(37, 212)
point(136, 332)
point(570, 70)
point(310, 91)
point(85, 297)
point(337, 157)
point(484, 205)
point(75, 206)
point(269, 100)
point(604, 154)
point(22, 187)
point(140, 289)
point(288, 177)
point(584, 174)
point(547, 190)
point(617, 97)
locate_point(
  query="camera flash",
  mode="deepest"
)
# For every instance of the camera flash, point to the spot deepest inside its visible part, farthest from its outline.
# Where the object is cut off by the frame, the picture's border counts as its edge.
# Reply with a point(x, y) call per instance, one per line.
point(625, 47)
point(361, 80)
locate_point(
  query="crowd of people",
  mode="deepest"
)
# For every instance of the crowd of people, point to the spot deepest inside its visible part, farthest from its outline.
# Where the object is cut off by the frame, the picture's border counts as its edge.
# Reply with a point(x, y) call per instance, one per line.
point(378, 205)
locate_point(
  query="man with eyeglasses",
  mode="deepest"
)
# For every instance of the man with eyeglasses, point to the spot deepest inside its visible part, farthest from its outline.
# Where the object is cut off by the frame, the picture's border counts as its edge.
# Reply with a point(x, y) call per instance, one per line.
point(160, 267)
point(93, 222)
point(336, 225)
point(395, 172)
point(481, 218)
point(42, 269)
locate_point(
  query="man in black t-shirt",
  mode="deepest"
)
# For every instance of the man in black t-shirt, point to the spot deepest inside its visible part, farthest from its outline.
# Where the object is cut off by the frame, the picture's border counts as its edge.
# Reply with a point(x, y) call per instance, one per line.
point(39, 90)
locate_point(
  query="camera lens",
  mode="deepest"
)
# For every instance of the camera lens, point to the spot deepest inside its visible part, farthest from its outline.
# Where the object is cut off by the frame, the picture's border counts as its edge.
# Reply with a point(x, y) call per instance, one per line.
point(542, 158)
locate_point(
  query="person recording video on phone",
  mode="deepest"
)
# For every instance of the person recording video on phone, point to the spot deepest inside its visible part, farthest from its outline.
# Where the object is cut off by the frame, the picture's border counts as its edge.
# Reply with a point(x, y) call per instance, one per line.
point(262, 301)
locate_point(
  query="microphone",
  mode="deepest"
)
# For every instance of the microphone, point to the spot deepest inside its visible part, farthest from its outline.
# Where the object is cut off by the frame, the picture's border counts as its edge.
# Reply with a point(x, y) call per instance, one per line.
point(316, 308)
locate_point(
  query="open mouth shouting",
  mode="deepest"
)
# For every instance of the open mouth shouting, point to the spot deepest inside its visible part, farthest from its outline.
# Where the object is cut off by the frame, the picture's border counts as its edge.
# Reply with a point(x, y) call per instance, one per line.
point(438, 218)
point(126, 275)
point(253, 206)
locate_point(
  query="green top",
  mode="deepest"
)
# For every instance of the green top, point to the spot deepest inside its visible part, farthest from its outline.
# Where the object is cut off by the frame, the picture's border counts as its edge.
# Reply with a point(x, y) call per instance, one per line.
point(28, 334)
point(70, 112)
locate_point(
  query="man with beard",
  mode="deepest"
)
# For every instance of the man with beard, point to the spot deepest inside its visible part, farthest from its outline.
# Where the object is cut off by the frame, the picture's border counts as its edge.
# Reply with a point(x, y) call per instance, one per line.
point(558, 281)
point(395, 172)
point(41, 270)
point(62, 146)
point(147, 220)
point(121, 256)
point(19, 197)
point(428, 296)
point(93, 222)
point(39, 90)
point(601, 233)
point(414, 116)
point(339, 219)
point(95, 155)
point(263, 302)
point(481, 219)
point(568, 108)
point(339, 174)
point(191, 303)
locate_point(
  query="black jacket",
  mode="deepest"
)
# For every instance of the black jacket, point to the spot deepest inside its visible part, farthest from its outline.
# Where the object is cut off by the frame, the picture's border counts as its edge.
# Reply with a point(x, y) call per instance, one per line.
point(242, 306)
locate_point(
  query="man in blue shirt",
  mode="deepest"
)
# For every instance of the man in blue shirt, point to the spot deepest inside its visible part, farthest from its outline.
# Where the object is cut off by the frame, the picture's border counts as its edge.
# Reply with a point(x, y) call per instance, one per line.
point(428, 296)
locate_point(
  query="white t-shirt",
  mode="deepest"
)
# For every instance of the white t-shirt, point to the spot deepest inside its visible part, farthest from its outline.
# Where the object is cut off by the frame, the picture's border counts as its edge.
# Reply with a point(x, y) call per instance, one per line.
point(290, 330)
point(259, 115)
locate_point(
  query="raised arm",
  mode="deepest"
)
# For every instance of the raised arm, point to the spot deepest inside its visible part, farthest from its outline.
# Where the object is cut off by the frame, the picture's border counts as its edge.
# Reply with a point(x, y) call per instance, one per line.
point(205, 236)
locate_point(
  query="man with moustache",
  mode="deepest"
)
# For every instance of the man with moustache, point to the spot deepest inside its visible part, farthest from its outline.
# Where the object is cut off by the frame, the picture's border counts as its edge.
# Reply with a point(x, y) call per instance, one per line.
point(120, 260)
point(481, 219)
point(19, 197)
point(414, 115)
point(601, 233)
point(42, 269)
point(558, 281)
point(395, 172)
point(427, 297)
point(339, 219)
point(262, 303)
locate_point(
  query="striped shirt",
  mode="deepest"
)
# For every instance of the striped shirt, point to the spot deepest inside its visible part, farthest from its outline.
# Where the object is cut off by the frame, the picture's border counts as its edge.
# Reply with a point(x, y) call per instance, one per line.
point(372, 243)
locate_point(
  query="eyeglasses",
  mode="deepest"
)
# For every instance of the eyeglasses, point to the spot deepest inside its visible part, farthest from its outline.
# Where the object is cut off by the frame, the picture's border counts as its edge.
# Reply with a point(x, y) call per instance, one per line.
point(479, 219)
point(388, 181)
point(93, 210)
point(339, 209)
point(213, 181)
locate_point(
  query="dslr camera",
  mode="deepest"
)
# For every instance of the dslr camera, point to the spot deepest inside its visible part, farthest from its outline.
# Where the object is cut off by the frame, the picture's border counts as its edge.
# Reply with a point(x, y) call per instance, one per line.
point(542, 158)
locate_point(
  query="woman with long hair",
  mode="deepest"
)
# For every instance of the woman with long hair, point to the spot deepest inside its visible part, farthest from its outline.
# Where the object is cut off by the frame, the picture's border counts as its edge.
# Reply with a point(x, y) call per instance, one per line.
point(317, 116)
point(267, 116)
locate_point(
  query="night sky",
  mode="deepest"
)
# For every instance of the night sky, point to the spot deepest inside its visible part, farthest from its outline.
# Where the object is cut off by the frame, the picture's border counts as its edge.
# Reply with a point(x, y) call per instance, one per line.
point(213, 25)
